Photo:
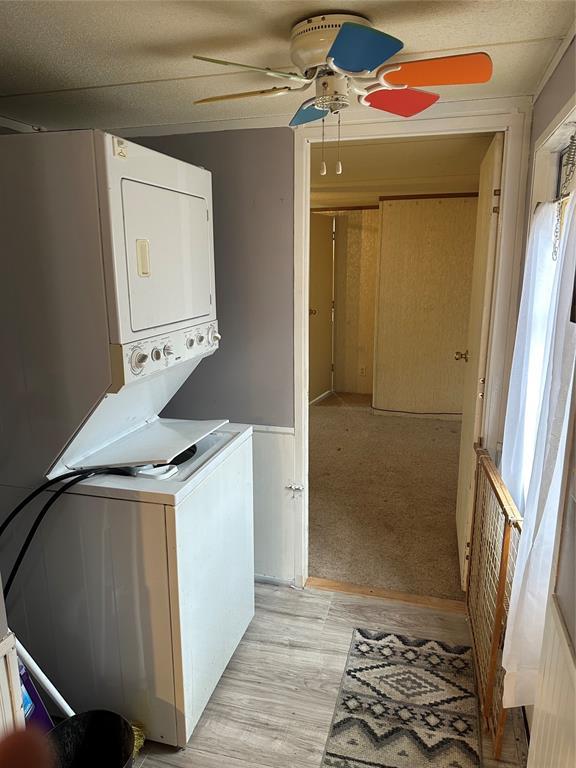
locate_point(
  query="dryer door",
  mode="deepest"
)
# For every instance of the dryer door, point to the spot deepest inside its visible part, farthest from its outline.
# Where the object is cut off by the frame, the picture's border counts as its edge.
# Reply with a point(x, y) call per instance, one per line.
point(168, 256)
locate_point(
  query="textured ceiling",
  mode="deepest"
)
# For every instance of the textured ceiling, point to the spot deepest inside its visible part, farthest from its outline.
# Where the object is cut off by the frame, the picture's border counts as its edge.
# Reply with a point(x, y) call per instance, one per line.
point(100, 49)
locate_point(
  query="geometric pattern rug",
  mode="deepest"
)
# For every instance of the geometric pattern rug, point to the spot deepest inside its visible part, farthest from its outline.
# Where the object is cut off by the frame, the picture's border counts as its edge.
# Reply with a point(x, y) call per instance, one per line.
point(404, 702)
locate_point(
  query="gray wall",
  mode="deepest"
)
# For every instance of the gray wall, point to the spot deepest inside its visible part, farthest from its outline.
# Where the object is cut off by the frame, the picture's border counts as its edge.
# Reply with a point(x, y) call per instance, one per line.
point(559, 88)
point(250, 378)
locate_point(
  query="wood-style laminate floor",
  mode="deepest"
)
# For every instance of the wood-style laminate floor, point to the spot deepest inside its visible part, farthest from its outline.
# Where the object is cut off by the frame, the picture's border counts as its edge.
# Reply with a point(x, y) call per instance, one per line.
point(274, 704)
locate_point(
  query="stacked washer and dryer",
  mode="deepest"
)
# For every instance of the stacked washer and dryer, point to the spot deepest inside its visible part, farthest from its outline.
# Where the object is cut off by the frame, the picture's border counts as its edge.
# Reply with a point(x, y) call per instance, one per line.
point(137, 586)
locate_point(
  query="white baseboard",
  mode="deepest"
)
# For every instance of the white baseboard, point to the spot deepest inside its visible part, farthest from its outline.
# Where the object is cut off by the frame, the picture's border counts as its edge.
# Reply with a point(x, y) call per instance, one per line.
point(321, 397)
point(410, 415)
point(272, 581)
point(273, 430)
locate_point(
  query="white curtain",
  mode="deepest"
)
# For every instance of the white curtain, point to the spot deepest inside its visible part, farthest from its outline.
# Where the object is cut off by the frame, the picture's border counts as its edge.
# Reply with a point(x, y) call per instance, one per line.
point(535, 436)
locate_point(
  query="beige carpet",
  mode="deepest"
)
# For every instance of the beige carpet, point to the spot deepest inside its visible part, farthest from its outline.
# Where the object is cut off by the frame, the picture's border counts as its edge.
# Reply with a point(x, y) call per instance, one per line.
point(383, 498)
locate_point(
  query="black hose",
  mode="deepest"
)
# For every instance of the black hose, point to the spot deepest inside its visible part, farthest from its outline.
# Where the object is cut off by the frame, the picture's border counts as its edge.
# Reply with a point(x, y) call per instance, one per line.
point(33, 495)
point(78, 477)
point(34, 528)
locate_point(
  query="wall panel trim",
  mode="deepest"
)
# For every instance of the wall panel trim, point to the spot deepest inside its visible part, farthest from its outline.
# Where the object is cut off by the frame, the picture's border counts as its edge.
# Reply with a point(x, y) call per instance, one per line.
point(428, 197)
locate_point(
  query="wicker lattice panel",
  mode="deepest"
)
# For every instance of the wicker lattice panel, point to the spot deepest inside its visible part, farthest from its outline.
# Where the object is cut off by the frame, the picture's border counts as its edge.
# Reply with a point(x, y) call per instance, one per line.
point(496, 532)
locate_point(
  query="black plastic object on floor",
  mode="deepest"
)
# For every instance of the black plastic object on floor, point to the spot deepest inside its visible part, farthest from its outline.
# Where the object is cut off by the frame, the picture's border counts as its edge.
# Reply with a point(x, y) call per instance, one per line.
point(96, 739)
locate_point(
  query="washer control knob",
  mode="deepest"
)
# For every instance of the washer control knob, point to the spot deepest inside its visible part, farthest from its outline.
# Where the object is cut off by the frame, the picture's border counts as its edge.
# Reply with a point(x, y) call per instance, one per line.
point(168, 350)
point(199, 338)
point(156, 354)
point(138, 360)
point(189, 342)
point(213, 336)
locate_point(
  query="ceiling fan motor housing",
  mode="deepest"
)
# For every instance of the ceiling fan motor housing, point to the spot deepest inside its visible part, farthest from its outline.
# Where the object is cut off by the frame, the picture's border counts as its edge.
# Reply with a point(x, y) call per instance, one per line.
point(312, 38)
point(331, 92)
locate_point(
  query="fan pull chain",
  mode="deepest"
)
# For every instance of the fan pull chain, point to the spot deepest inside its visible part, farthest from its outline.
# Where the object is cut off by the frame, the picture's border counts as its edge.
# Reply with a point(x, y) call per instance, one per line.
point(323, 164)
point(338, 163)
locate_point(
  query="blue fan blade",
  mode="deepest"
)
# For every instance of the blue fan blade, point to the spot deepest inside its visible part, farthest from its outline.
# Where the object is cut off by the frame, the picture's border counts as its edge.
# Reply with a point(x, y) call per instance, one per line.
point(358, 48)
point(308, 113)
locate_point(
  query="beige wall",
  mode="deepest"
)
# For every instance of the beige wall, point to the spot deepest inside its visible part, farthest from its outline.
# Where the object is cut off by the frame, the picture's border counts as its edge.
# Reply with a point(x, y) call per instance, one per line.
point(392, 167)
point(400, 166)
point(356, 258)
point(425, 276)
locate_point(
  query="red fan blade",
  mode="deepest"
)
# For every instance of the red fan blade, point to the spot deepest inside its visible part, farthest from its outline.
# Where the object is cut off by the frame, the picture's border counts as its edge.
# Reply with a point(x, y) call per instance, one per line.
point(466, 69)
point(406, 102)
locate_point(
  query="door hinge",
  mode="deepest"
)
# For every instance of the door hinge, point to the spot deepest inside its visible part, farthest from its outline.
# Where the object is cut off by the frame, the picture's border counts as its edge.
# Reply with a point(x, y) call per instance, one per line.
point(496, 209)
point(295, 488)
point(207, 215)
point(497, 192)
point(498, 456)
point(332, 367)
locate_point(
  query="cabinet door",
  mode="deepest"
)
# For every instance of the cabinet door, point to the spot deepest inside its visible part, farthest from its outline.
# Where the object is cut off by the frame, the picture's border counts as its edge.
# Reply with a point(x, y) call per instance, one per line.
point(168, 255)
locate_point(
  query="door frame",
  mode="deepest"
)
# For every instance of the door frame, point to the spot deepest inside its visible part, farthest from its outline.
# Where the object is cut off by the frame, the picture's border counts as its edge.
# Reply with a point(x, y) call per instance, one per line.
point(509, 116)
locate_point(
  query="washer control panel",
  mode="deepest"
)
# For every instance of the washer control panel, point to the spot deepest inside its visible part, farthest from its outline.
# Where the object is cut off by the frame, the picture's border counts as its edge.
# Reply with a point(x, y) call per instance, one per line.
point(150, 356)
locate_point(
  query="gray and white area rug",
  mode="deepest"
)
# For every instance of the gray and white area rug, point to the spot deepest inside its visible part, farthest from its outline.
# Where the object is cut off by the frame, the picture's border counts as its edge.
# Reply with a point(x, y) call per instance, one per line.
point(405, 703)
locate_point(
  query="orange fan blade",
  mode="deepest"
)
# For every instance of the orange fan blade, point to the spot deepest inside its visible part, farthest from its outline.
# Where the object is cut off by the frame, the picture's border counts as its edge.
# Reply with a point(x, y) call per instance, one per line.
point(466, 69)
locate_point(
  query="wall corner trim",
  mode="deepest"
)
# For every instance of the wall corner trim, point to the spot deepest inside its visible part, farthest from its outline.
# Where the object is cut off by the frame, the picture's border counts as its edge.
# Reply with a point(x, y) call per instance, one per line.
point(550, 69)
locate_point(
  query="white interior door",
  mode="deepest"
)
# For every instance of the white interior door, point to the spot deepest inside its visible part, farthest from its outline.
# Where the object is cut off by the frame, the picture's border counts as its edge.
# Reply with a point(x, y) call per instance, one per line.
point(168, 257)
point(320, 317)
point(424, 285)
point(478, 330)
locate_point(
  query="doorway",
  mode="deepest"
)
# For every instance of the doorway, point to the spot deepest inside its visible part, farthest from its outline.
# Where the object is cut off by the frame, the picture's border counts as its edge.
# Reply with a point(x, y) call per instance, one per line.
point(394, 287)
point(344, 248)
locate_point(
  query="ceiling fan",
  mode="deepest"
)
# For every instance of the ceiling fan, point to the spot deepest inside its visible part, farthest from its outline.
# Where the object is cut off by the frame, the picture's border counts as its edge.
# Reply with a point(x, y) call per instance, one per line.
point(344, 57)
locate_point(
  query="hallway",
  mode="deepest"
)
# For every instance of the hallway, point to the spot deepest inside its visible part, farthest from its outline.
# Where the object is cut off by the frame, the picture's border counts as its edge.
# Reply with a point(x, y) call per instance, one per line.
point(383, 498)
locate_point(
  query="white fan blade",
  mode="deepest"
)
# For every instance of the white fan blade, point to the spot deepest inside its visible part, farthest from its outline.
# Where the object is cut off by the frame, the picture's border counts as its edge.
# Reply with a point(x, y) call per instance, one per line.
point(246, 94)
point(266, 70)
